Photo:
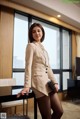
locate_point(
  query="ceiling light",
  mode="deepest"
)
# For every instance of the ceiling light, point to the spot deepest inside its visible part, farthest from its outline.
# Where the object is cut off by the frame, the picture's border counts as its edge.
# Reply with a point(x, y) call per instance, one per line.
point(58, 15)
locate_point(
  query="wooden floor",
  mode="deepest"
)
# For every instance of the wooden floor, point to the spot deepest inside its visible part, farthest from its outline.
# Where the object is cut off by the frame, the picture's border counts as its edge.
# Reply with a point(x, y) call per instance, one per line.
point(71, 110)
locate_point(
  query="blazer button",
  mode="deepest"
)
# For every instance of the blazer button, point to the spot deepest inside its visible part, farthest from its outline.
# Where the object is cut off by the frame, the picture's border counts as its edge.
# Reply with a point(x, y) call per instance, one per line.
point(46, 72)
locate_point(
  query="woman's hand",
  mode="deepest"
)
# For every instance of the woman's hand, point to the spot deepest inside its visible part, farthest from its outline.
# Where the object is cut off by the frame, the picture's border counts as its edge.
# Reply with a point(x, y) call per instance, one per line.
point(56, 87)
point(23, 91)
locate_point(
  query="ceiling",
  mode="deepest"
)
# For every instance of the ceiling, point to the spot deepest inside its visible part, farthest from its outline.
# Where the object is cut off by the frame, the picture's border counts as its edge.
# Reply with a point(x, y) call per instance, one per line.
point(34, 4)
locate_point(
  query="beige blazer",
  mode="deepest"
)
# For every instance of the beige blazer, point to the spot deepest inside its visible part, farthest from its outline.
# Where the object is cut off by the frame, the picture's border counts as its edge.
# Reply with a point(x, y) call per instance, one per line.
point(37, 68)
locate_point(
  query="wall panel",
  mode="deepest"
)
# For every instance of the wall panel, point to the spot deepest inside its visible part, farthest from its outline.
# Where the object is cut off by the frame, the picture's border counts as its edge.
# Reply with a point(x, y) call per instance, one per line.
point(6, 40)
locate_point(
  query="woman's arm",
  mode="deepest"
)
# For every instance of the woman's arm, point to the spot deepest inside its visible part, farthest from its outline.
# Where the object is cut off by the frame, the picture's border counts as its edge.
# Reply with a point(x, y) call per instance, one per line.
point(28, 67)
point(28, 64)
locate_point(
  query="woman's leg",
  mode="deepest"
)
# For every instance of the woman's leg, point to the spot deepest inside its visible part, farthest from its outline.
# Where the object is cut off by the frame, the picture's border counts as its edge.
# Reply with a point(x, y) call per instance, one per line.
point(56, 106)
point(44, 107)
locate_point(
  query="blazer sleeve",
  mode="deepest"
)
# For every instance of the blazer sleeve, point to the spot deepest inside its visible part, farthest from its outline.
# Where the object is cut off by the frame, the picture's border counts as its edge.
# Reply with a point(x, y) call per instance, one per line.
point(51, 74)
point(28, 64)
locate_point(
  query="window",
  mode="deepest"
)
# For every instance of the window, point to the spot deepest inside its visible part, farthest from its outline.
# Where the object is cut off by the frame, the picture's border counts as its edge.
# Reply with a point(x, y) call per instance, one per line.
point(66, 40)
point(19, 78)
point(66, 58)
point(51, 43)
point(20, 42)
point(57, 77)
point(57, 42)
point(65, 77)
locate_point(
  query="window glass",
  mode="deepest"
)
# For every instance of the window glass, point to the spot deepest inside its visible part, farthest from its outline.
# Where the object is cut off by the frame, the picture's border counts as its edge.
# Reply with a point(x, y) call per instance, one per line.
point(57, 78)
point(19, 76)
point(65, 77)
point(59, 58)
point(20, 40)
point(16, 91)
point(66, 44)
point(51, 44)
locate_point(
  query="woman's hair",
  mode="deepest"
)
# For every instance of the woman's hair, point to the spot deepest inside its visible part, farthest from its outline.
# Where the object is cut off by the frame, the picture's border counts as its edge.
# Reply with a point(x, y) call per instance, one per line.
point(31, 39)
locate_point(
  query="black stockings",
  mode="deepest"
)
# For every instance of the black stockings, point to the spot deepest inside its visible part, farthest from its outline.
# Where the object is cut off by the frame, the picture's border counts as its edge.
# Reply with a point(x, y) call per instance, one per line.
point(56, 106)
point(46, 103)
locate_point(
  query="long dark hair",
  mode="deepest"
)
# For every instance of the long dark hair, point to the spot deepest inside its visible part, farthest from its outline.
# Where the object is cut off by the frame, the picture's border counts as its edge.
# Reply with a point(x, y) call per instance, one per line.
point(31, 39)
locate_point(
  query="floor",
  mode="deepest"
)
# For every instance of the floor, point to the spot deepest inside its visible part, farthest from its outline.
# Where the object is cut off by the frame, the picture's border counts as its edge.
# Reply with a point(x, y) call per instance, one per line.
point(71, 110)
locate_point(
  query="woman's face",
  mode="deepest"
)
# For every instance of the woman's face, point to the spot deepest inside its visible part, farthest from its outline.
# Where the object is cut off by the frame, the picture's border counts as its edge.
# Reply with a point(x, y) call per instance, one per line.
point(37, 34)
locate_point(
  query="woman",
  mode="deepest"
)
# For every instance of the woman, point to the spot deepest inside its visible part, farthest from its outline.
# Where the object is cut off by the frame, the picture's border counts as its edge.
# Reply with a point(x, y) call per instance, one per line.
point(38, 73)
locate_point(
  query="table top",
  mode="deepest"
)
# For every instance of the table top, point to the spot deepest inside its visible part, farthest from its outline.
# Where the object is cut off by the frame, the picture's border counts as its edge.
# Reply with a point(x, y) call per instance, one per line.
point(7, 98)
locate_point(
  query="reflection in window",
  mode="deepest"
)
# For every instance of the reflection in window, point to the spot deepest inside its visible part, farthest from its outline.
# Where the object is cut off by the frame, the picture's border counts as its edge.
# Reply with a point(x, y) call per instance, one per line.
point(51, 44)
point(20, 40)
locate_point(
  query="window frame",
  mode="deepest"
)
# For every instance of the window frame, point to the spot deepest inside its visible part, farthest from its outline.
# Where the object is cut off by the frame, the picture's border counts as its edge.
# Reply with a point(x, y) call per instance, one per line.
point(56, 71)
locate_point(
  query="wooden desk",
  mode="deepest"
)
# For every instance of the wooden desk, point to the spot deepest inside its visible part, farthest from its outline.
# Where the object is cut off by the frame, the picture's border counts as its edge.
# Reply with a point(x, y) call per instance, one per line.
point(8, 98)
